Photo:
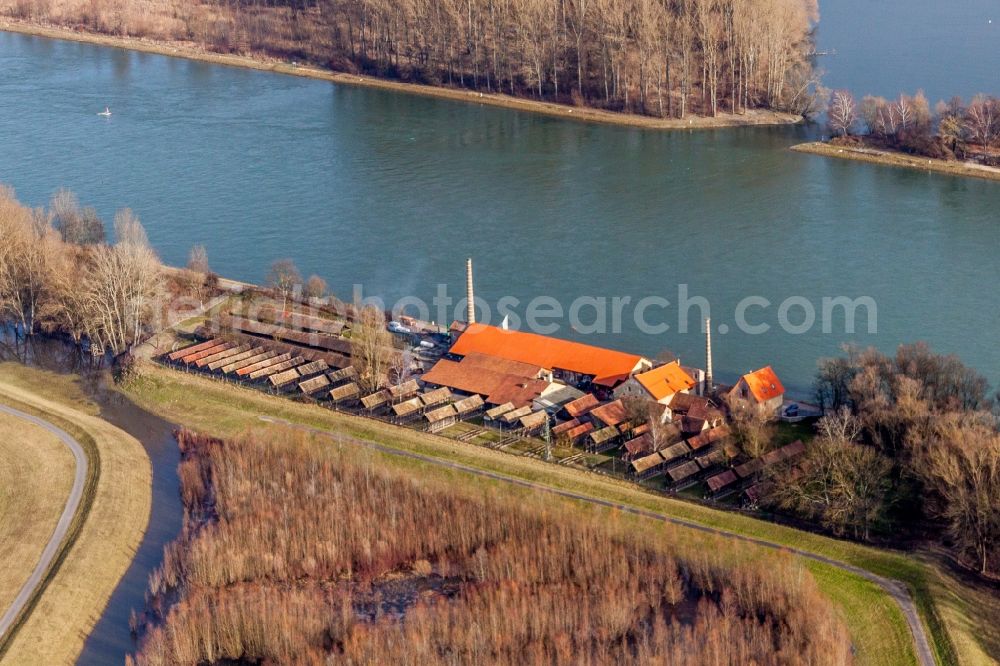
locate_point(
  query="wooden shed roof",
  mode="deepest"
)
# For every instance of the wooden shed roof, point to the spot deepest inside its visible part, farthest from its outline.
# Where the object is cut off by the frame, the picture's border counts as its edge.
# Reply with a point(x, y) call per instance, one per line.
point(345, 392)
point(682, 472)
point(721, 480)
point(647, 463)
point(376, 399)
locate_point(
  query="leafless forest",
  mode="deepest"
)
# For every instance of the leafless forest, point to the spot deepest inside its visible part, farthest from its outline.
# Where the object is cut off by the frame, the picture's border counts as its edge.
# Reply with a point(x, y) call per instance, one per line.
point(664, 58)
point(292, 552)
point(58, 275)
point(954, 130)
point(911, 445)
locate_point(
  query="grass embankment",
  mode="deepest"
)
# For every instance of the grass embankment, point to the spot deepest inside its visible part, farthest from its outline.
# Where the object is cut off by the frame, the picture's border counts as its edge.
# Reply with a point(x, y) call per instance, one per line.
point(192, 51)
point(108, 529)
point(875, 622)
point(36, 474)
point(897, 159)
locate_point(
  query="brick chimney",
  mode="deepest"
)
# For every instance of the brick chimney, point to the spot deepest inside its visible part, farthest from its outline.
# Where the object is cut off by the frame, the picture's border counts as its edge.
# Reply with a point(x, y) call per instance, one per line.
point(470, 296)
point(708, 356)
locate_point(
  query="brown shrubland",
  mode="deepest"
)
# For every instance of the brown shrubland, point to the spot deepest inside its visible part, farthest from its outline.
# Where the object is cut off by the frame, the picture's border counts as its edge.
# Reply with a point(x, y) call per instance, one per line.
point(296, 553)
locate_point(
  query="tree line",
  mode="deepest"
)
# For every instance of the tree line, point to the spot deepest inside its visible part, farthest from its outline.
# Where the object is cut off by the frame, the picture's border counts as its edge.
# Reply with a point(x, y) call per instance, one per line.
point(59, 274)
point(294, 551)
point(910, 446)
point(664, 58)
point(953, 130)
point(657, 57)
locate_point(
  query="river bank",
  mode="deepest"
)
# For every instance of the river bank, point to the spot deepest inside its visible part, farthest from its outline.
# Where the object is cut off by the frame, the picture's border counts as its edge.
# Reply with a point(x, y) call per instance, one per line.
point(104, 537)
point(191, 51)
point(897, 159)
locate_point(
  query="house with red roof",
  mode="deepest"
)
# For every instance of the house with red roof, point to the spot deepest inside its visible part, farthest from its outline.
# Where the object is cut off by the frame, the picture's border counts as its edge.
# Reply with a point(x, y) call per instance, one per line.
point(761, 387)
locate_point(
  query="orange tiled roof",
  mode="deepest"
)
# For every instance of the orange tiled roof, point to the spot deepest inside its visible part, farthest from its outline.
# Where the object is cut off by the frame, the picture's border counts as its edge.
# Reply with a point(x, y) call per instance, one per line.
point(666, 380)
point(547, 352)
point(764, 384)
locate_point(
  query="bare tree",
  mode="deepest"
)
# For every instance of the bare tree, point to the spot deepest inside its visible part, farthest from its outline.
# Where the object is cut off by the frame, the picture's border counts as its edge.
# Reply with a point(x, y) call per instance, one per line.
point(840, 483)
point(842, 112)
point(283, 278)
point(120, 285)
point(752, 424)
point(372, 352)
point(960, 462)
point(315, 287)
point(26, 253)
point(198, 260)
point(982, 119)
point(80, 226)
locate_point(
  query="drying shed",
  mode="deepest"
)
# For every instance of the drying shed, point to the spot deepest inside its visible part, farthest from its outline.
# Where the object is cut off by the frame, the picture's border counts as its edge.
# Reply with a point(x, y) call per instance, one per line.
point(682, 472)
point(375, 400)
point(192, 349)
point(721, 480)
point(610, 414)
point(312, 385)
point(344, 393)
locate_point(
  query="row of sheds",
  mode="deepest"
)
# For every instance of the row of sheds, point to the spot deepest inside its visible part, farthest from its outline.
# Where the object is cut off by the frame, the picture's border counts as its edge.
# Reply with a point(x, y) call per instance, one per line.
point(746, 473)
point(287, 372)
point(680, 459)
point(268, 365)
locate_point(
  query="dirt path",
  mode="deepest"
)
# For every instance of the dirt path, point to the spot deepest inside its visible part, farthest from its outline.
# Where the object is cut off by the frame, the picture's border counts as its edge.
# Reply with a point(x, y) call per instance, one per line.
point(893, 588)
point(72, 504)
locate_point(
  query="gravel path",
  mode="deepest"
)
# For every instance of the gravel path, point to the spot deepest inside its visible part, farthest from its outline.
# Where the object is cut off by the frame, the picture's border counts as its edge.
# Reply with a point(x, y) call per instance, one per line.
point(65, 520)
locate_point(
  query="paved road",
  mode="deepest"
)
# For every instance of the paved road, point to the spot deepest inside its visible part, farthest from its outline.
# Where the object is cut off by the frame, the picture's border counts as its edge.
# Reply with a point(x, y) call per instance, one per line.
point(893, 588)
point(72, 504)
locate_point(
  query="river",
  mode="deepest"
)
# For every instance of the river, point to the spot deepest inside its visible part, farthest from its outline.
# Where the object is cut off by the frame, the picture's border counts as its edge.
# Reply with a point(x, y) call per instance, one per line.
point(394, 191)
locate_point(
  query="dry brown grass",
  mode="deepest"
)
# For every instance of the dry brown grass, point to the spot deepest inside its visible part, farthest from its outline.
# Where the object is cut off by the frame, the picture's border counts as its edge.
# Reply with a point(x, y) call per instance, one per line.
point(55, 630)
point(876, 622)
point(36, 474)
point(293, 552)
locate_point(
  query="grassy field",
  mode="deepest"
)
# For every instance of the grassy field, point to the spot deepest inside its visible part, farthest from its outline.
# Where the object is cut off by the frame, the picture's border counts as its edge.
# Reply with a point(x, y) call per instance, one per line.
point(875, 622)
point(102, 548)
point(36, 474)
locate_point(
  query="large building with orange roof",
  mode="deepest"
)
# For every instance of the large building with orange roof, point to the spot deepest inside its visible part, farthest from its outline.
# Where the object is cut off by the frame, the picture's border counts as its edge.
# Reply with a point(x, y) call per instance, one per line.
point(573, 362)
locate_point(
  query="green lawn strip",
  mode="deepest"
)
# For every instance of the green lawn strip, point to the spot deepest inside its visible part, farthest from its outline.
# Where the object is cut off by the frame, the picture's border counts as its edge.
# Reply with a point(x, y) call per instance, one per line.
point(226, 410)
point(877, 625)
point(90, 450)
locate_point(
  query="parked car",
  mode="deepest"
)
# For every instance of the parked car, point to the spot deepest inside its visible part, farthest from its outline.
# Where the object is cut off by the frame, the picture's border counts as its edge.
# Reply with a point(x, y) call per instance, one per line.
point(396, 327)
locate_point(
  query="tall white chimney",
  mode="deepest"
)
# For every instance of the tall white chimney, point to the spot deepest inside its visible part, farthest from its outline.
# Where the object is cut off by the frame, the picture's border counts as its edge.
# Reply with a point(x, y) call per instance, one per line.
point(708, 355)
point(470, 296)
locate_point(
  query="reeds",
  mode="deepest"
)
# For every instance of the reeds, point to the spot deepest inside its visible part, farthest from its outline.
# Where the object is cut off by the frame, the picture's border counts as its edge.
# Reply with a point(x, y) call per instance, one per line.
point(294, 553)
